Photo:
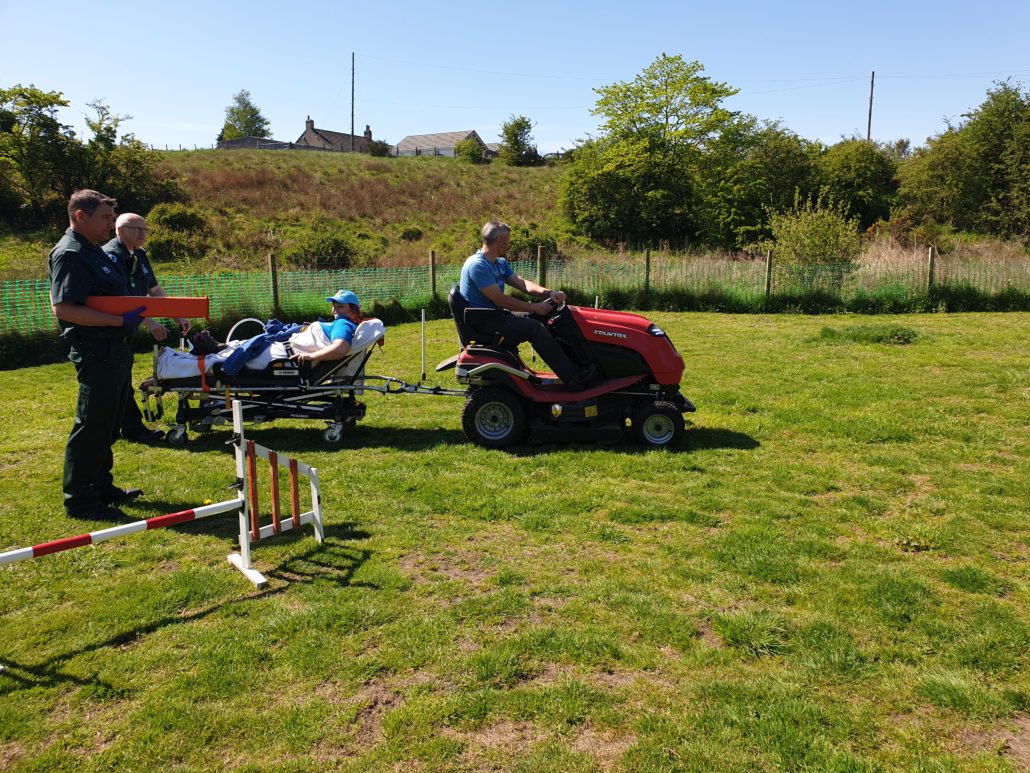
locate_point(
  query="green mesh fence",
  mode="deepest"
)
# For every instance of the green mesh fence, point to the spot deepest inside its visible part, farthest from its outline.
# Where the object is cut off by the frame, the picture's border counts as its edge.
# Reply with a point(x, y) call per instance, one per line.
point(26, 304)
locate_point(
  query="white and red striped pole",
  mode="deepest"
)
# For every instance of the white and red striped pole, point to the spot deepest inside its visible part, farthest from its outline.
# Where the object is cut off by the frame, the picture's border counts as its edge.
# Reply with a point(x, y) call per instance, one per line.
point(93, 537)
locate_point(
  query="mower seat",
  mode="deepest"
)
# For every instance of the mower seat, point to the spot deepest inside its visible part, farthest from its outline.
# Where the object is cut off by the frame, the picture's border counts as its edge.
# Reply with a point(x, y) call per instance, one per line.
point(463, 315)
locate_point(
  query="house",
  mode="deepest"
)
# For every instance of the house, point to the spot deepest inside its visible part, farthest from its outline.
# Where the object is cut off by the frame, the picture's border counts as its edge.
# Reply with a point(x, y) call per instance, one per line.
point(252, 143)
point(323, 139)
point(440, 144)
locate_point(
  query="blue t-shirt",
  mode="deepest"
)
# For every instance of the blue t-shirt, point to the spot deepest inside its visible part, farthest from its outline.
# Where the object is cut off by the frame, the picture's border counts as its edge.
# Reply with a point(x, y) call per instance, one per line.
point(477, 273)
point(341, 329)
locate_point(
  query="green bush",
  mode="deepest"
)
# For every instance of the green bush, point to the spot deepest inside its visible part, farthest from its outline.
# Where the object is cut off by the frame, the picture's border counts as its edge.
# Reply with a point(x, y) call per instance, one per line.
point(332, 245)
point(871, 334)
point(379, 148)
point(411, 233)
point(166, 245)
point(320, 248)
point(177, 217)
point(814, 232)
point(469, 150)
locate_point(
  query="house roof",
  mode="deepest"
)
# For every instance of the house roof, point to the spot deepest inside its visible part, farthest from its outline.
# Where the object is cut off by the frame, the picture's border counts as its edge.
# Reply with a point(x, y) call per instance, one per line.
point(333, 138)
point(438, 140)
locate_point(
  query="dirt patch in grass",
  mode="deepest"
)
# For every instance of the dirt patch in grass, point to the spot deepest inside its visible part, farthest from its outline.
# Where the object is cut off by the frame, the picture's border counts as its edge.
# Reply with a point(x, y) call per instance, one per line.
point(605, 747)
point(378, 700)
point(9, 754)
point(504, 739)
point(1013, 742)
point(462, 565)
point(614, 680)
point(552, 673)
point(708, 636)
point(1017, 746)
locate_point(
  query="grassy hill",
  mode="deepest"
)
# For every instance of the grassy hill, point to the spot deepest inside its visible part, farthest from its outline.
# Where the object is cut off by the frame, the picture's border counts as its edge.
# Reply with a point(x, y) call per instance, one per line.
point(324, 210)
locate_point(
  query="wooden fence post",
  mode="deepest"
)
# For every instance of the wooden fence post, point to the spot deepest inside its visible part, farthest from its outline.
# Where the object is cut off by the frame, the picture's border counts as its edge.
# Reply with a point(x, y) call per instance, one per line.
point(768, 273)
point(647, 271)
point(541, 266)
point(930, 268)
point(432, 272)
point(273, 273)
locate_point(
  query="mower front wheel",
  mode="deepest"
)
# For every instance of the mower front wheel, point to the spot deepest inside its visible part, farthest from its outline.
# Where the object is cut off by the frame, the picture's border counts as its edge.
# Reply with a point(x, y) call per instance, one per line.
point(658, 424)
point(494, 417)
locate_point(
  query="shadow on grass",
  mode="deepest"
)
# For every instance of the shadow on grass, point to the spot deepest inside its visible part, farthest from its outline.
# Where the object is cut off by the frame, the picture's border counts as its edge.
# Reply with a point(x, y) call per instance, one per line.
point(694, 439)
point(333, 561)
point(301, 440)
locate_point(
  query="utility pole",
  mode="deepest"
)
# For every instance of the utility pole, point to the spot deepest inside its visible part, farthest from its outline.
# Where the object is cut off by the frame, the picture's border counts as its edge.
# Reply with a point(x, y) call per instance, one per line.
point(869, 126)
point(352, 101)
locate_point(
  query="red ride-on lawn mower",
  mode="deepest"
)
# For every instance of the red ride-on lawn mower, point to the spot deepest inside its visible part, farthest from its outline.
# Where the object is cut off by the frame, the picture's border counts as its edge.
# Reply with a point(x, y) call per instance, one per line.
point(637, 391)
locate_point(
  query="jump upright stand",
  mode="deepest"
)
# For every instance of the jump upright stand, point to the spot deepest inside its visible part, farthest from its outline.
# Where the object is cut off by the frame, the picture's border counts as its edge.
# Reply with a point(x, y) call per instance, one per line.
point(251, 530)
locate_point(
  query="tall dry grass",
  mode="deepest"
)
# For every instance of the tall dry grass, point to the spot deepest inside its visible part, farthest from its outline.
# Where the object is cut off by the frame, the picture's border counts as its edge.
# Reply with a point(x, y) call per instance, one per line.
point(251, 196)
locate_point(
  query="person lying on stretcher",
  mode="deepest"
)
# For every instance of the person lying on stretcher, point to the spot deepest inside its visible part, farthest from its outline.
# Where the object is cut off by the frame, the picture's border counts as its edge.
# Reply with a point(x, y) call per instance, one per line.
point(340, 332)
point(319, 341)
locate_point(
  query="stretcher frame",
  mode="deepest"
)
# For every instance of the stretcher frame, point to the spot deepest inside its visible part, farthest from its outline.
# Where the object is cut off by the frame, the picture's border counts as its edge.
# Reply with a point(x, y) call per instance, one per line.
point(318, 393)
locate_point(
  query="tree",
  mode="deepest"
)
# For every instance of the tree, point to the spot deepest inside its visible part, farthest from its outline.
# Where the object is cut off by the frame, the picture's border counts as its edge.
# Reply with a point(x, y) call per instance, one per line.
point(749, 170)
point(39, 155)
point(470, 151)
point(121, 167)
point(42, 161)
point(974, 175)
point(861, 176)
point(243, 119)
point(669, 101)
point(637, 181)
point(379, 148)
point(623, 190)
point(517, 148)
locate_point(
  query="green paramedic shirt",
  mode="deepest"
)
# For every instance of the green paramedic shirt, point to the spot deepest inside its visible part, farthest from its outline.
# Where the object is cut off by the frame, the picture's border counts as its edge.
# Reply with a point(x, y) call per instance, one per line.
point(77, 269)
point(135, 265)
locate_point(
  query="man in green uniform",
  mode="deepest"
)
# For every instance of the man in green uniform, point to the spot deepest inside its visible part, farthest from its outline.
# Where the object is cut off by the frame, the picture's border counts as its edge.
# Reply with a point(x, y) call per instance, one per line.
point(127, 249)
point(99, 349)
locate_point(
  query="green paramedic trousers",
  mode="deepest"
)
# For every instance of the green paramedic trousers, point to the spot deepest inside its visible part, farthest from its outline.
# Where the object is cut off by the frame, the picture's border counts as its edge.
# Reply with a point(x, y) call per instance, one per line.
point(104, 369)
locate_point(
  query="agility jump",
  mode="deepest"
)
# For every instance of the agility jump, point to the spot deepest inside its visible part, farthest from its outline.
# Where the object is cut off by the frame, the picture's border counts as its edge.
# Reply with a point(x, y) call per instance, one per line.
point(246, 504)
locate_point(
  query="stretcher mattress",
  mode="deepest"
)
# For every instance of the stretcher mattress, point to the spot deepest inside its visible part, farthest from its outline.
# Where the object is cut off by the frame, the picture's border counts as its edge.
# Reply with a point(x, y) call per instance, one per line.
point(271, 366)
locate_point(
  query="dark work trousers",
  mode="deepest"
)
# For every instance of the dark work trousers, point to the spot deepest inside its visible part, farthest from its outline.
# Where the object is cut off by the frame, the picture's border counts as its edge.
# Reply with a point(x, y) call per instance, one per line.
point(132, 419)
point(517, 330)
point(103, 367)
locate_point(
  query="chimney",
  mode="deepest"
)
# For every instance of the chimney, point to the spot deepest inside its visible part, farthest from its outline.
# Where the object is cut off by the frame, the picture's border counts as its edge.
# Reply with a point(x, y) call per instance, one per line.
point(368, 132)
point(309, 125)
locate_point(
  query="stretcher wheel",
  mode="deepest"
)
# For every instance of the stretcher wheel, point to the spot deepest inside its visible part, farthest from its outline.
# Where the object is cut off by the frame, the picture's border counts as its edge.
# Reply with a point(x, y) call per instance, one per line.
point(333, 434)
point(176, 437)
point(494, 417)
point(658, 424)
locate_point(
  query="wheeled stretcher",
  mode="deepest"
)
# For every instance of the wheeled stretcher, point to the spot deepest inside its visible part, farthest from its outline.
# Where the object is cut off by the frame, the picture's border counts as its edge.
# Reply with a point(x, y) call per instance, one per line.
point(282, 389)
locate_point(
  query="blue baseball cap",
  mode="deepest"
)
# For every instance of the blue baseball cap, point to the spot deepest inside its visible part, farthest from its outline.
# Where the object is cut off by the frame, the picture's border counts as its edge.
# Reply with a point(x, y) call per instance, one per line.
point(344, 296)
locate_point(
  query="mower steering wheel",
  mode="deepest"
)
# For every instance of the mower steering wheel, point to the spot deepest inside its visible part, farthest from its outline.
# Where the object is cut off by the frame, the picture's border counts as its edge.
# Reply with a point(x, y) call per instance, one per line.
point(555, 306)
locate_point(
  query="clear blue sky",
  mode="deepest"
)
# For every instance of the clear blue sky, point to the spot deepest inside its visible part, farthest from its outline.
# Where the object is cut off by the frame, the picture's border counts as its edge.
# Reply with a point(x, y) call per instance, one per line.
point(431, 67)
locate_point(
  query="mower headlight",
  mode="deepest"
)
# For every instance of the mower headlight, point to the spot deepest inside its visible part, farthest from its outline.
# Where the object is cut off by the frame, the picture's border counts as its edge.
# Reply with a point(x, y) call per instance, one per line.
point(656, 331)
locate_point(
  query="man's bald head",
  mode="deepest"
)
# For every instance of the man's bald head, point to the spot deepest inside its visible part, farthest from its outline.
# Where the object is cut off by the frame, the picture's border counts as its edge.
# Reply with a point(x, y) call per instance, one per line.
point(129, 218)
point(131, 229)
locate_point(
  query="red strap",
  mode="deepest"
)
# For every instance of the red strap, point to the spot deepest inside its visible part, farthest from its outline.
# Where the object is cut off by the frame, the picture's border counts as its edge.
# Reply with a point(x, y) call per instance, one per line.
point(203, 374)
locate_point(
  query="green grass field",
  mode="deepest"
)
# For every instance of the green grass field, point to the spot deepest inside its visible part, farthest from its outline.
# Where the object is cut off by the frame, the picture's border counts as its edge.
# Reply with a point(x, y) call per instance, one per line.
point(831, 573)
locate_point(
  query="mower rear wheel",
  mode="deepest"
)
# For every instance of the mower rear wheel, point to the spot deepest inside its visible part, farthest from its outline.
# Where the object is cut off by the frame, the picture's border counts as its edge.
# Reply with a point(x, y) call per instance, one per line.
point(493, 417)
point(658, 424)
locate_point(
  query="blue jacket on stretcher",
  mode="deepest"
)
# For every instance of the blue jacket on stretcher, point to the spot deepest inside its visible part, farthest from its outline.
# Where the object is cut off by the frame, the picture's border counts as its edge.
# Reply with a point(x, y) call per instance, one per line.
point(275, 331)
